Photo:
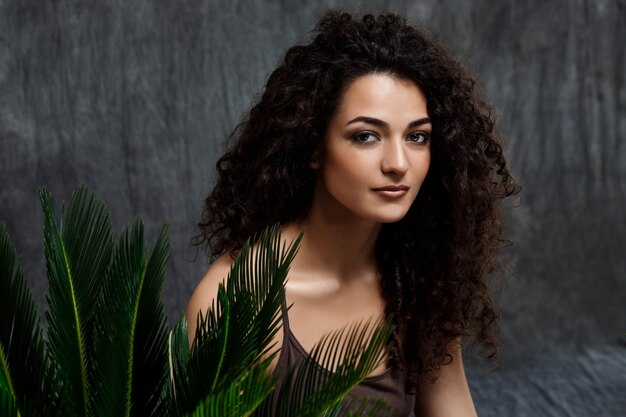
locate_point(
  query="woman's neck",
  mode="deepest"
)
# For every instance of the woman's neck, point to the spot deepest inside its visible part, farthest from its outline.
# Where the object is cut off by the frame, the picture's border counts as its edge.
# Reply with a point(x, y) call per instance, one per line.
point(336, 245)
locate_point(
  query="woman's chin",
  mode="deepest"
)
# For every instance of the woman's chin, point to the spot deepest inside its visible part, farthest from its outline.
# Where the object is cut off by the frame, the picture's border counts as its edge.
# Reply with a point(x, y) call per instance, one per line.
point(388, 217)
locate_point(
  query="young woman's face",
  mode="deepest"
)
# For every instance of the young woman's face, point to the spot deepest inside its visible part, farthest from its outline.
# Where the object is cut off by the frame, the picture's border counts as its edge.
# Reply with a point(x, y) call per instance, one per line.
point(377, 149)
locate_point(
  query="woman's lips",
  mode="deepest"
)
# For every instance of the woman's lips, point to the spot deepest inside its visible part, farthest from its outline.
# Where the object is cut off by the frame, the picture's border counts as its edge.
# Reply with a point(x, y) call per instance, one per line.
point(394, 191)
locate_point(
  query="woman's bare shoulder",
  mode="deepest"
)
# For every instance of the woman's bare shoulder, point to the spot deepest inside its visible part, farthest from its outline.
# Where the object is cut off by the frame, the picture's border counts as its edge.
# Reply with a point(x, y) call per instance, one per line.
point(206, 290)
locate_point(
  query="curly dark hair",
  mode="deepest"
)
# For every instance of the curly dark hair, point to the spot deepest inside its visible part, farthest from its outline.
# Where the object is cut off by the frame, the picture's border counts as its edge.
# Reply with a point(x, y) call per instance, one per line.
point(436, 261)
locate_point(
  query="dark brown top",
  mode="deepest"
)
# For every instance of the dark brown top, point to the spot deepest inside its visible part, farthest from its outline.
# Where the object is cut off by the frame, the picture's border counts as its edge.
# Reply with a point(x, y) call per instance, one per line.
point(389, 385)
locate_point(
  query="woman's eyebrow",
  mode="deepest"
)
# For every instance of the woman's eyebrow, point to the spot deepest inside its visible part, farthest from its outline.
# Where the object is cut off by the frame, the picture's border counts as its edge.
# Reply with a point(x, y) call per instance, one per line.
point(385, 125)
point(419, 122)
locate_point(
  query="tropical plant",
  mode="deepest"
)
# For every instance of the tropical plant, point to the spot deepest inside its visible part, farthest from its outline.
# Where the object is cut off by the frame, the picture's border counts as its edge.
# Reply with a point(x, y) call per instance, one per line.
point(108, 351)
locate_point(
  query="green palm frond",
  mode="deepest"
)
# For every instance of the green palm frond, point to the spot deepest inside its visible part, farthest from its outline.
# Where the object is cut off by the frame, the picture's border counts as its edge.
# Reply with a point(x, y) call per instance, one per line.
point(24, 367)
point(336, 364)
point(8, 405)
point(240, 399)
point(130, 368)
point(178, 356)
point(5, 376)
point(108, 352)
point(237, 329)
point(77, 256)
point(150, 372)
point(362, 407)
point(261, 276)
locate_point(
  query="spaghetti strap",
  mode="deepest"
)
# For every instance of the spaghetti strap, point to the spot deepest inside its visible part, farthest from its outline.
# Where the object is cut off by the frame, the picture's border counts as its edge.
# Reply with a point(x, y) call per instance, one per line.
point(284, 353)
point(284, 308)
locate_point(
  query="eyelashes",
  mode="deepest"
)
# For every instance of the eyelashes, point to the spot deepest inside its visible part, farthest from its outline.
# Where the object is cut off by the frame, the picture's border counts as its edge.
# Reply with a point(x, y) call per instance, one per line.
point(366, 137)
point(421, 137)
point(362, 137)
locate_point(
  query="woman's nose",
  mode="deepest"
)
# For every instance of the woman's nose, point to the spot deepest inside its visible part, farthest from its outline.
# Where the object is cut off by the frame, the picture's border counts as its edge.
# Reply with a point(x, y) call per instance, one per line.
point(394, 158)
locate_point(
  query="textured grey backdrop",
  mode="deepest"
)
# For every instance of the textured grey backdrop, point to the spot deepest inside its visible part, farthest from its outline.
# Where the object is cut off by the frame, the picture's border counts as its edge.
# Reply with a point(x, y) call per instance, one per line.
point(136, 98)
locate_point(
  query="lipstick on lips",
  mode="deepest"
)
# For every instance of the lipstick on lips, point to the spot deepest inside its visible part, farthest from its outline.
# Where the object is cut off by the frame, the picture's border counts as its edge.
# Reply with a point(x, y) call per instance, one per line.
point(392, 191)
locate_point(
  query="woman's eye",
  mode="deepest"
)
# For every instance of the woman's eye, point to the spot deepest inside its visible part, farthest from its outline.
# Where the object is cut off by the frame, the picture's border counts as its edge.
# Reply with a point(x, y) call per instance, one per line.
point(364, 137)
point(419, 137)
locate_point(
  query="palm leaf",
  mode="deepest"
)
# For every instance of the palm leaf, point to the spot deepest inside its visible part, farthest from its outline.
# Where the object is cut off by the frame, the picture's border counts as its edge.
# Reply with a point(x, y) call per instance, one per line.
point(130, 349)
point(237, 329)
point(365, 407)
point(77, 256)
point(240, 399)
point(311, 389)
point(178, 355)
point(5, 377)
point(24, 367)
point(248, 282)
point(8, 405)
point(150, 372)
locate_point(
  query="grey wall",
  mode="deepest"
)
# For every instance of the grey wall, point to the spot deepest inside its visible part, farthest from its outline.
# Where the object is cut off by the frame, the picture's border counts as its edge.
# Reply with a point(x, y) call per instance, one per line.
point(136, 97)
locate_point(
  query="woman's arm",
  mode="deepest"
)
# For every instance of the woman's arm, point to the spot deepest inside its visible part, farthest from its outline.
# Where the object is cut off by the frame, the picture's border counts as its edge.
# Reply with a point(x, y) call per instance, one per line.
point(449, 395)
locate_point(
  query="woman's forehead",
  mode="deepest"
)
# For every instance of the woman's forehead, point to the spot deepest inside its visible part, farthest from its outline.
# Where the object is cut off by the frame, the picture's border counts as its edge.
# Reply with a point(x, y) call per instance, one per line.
point(382, 96)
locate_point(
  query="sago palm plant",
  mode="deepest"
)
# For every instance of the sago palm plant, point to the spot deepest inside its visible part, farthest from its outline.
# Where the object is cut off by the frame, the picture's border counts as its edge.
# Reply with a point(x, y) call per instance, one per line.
point(108, 351)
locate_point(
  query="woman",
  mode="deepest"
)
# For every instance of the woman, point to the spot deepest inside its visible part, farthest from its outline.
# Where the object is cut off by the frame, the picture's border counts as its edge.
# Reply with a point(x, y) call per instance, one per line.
point(373, 138)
